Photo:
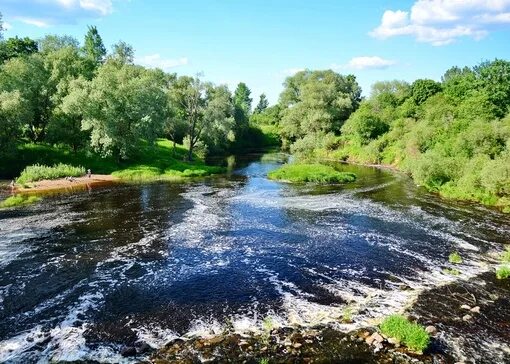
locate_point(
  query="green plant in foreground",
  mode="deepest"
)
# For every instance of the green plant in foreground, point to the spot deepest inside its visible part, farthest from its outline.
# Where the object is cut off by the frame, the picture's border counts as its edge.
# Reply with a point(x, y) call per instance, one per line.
point(347, 313)
point(451, 271)
point(19, 200)
point(455, 258)
point(505, 256)
point(411, 334)
point(503, 272)
point(264, 361)
point(316, 173)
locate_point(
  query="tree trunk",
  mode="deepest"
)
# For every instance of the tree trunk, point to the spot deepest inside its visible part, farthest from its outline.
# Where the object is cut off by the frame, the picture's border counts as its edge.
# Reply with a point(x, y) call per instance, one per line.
point(190, 152)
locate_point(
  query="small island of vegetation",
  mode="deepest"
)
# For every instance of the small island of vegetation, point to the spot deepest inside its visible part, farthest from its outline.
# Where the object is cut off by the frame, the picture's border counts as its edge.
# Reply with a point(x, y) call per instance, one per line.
point(316, 173)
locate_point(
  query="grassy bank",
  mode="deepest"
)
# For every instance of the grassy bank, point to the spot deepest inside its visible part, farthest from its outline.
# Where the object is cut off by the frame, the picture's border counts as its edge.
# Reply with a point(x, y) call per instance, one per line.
point(316, 173)
point(18, 200)
point(158, 161)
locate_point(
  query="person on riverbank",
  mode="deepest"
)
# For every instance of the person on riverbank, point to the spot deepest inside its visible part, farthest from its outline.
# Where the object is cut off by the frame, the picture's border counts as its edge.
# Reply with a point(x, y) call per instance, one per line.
point(12, 185)
point(89, 173)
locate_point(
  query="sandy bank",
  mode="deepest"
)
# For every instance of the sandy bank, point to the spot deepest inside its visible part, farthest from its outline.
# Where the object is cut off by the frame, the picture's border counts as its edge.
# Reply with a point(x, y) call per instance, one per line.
point(64, 184)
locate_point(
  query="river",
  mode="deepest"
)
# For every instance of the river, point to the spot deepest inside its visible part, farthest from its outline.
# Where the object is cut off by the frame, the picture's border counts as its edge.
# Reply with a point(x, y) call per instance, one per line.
point(83, 275)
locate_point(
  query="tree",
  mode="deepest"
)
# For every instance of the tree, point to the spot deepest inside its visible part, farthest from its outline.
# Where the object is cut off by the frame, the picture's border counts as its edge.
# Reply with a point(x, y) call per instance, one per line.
point(120, 106)
point(317, 102)
point(53, 43)
point(219, 123)
point(93, 47)
point(29, 76)
point(122, 53)
point(365, 124)
point(262, 105)
point(17, 47)
point(494, 78)
point(242, 106)
point(422, 89)
point(13, 113)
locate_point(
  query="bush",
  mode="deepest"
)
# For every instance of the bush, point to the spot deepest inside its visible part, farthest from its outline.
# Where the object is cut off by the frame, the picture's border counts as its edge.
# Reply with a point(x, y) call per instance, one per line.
point(411, 334)
point(39, 172)
point(455, 258)
point(451, 271)
point(503, 272)
point(316, 173)
point(19, 200)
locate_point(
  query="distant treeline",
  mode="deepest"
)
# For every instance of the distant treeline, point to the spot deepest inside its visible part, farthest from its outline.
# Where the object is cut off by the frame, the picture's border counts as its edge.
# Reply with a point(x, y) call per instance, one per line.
point(452, 136)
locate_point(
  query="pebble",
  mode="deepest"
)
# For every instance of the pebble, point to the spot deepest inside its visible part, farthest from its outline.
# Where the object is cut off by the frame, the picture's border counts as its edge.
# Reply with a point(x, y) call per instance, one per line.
point(476, 309)
point(431, 330)
point(216, 340)
point(369, 340)
point(467, 317)
point(465, 307)
point(377, 337)
point(297, 345)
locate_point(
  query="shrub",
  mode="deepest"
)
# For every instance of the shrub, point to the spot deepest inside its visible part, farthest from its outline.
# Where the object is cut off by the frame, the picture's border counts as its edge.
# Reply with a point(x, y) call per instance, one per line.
point(19, 200)
point(411, 334)
point(316, 173)
point(455, 258)
point(39, 172)
point(503, 272)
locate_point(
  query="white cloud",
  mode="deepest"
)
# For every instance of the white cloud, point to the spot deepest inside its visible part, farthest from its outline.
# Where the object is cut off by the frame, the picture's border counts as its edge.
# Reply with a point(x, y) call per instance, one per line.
point(369, 62)
point(7, 25)
point(103, 7)
point(156, 61)
point(441, 22)
point(44, 13)
point(32, 21)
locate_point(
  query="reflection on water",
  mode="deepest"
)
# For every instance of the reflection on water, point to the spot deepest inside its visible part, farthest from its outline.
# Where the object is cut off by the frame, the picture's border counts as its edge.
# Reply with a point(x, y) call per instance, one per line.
point(83, 275)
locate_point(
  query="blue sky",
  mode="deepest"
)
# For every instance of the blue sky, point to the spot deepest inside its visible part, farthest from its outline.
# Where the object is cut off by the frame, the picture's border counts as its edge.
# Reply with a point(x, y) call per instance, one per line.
point(262, 42)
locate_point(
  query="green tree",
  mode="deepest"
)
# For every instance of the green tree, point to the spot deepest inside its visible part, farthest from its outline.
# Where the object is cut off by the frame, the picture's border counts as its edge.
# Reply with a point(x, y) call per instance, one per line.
point(317, 102)
point(29, 76)
point(365, 124)
point(122, 53)
point(13, 113)
point(262, 105)
point(93, 47)
point(422, 89)
point(120, 106)
point(17, 47)
point(53, 43)
point(242, 105)
point(494, 78)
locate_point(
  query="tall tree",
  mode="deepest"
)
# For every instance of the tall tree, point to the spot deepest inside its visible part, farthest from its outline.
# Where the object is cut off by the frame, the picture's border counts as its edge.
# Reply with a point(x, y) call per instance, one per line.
point(29, 76)
point(120, 106)
point(93, 47)
point(242, 106)
point(52, 43)
point(13, 113)
point(123, 53)
point(317, 102)
point(262, 105)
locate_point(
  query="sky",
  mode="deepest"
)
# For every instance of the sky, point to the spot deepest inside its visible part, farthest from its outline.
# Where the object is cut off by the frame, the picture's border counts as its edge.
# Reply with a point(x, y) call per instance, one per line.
point(261, 42)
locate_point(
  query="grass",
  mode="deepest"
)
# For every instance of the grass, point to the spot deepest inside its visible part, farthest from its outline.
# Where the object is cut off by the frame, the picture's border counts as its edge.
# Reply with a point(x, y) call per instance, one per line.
point(505, 256)
point(264, 361)
point(451, 271)
point(503, 272)
point(455, 258)
point(151, 162)
point(38, 172)
point(347, 314)
point(19, 200)
point(316, 173)
point(411, 334)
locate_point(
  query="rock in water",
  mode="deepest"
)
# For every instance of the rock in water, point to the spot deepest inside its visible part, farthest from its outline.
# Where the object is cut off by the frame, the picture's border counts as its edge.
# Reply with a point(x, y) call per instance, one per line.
point(476, 309)
point(431, 330)
point(465, 307)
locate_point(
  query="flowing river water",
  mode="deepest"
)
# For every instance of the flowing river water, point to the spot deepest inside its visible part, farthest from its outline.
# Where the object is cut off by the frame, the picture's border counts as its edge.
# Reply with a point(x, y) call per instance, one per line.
point(84, 275)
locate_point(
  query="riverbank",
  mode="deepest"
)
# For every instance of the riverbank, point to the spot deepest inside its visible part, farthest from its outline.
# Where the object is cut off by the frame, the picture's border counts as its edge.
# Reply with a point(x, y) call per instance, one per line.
point(78, 183)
